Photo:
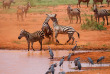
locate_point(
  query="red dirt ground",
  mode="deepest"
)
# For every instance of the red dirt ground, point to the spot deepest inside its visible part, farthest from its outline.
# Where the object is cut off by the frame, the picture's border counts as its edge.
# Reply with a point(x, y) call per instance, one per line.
point(10, 30)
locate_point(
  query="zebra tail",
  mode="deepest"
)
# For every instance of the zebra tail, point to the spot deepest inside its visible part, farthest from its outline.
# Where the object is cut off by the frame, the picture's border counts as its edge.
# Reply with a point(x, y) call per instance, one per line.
point(78, 34)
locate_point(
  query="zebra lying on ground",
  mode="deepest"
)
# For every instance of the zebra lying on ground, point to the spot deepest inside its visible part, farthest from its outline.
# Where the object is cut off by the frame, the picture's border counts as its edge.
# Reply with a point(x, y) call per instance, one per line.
point(32, 37)
point(62, 29)
point(73, 12)
point(101, 13)
point(79, 1)
point(47, 29)
point(7, 3)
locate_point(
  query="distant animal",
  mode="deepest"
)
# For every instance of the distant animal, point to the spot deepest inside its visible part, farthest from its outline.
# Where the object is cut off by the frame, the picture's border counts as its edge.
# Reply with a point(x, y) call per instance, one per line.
point(32, 37)
point(25, 8)
point(48, 31)
point(7, 3)
point(79, 65)
point(62, 29)
point(100, 13)
point(75, 61)
point(61, 62)
point(95, 1)
point(73, 12)
point(100, 59)
point(79, 1)
point(74, 48)
point(51, 52)
point(108, 1)
point(90, 60)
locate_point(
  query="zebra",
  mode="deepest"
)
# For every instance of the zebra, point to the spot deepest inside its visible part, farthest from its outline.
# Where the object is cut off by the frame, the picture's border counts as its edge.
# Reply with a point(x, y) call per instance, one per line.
point(79, 1)
point(100, 13)
point(95, 1)
point(108, 1)
point(25, 8)
point(7, 3)
point(59, 29)
point(48, 31)
point(32, 37)
point(73, 12)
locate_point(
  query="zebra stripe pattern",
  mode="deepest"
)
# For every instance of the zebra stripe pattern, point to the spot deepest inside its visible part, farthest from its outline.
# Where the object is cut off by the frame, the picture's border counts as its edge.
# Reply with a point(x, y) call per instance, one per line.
point(101, 13)
point(73, 12)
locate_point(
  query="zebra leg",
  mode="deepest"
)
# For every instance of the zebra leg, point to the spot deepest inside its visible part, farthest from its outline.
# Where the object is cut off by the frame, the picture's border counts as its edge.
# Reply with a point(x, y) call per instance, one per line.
point(32, 46)
point(40, 41)
point(103, 20)
point(69, 35)
point(107, 19)
point(28, 46)
point(77, 19)
point(56, 34)
point(87, 4)
point(52, 37)
point(73, 40)
point(18, 17)
point(98, 19)
point(80, 18)
point(101, 3)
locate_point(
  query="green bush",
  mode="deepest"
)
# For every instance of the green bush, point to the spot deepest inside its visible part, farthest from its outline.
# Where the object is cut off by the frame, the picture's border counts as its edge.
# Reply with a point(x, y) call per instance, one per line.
point(91, 24)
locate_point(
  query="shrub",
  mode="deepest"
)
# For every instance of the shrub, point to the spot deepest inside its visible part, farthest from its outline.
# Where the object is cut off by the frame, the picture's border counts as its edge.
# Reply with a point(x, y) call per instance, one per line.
point(91, 24)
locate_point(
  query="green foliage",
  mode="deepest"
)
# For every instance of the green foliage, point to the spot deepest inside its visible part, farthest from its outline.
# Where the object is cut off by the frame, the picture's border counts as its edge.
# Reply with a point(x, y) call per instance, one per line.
point(91, 24)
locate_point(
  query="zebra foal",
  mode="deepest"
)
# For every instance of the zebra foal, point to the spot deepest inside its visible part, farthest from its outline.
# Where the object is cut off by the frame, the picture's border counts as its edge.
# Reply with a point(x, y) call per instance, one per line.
point(101, 13)
point(32, 37)
point(73, 12)
point(59, 29)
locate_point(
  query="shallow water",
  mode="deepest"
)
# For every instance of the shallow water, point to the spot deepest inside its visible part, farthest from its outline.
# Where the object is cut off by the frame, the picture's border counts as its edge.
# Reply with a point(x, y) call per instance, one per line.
point(34, 62)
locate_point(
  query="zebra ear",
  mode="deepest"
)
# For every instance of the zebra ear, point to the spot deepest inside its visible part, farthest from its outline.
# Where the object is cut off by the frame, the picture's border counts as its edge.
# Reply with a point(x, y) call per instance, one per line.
point(55, 15)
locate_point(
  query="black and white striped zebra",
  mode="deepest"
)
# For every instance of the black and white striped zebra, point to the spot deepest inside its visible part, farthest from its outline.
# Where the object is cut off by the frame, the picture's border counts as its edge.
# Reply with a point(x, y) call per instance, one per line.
point(32, 37)
point(73, 12)
point(101, 13)
point(59, 29)
point(48, 31)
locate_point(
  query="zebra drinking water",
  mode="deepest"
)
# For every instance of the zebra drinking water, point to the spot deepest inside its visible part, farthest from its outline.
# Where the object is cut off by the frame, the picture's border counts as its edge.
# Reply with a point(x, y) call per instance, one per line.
point(59, 29)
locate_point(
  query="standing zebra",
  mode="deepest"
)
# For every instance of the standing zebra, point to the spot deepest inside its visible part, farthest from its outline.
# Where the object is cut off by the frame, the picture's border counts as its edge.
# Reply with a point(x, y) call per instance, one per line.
point(73, 12)
point(59, 29)
point(108, 1)
point(100, 13)
point(32, 37)
point(47, 29)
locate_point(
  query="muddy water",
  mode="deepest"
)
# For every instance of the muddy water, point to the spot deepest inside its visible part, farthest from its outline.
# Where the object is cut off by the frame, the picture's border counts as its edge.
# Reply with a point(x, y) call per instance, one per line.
point(33, 62)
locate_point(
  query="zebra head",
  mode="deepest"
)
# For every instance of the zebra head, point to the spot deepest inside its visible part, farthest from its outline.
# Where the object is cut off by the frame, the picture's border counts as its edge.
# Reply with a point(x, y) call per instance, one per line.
point(22, 34)
point(53, 17)
point(28, 4)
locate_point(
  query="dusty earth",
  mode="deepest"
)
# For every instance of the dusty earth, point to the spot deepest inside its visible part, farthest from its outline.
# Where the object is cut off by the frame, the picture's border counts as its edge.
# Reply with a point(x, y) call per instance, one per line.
point(10, 29)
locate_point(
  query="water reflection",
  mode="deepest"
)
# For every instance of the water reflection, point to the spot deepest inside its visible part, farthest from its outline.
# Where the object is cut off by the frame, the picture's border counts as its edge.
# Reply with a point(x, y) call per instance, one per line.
point(34, 62)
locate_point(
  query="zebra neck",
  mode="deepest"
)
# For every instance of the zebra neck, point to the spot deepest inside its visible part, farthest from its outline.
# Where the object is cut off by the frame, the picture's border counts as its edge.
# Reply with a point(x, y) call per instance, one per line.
point(55, 24)
point(47, 19)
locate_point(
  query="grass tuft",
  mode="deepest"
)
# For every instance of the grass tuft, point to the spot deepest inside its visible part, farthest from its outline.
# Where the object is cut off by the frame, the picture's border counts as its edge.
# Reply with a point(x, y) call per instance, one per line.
point(91, 24)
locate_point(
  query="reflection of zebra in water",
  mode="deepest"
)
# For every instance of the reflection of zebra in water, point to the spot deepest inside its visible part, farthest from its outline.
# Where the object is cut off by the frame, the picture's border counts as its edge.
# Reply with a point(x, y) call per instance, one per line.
point(73, 12)
point(47, 29)
point(101, 13)
point(62, 29)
